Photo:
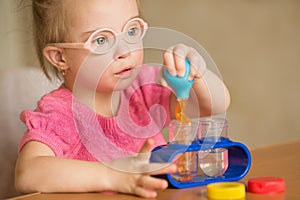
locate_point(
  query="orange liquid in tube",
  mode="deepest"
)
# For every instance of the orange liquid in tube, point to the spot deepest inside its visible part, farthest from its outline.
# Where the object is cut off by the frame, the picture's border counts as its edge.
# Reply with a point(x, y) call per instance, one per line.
point(184, 161)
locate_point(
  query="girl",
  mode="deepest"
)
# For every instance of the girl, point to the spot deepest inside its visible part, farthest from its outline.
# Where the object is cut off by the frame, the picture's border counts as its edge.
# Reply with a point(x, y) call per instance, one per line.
point(81, 136)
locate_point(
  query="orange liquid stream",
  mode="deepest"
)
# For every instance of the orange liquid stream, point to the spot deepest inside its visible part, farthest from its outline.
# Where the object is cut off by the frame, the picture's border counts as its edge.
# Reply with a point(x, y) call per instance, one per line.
point(180, 112)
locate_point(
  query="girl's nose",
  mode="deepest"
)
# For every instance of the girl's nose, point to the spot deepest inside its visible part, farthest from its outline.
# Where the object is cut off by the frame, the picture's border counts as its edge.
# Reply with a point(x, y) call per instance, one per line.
point(122, 50)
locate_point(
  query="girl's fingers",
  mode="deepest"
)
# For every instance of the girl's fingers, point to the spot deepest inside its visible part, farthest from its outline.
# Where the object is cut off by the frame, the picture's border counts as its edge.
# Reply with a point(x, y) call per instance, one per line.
point(145, 151)
point(174, 61)
point(145, 193)
point(147, 147)
point(154, 168)
point(179, 54)
point(198, 65)
point(152, 183)
point(160, 168)
point(169, 61)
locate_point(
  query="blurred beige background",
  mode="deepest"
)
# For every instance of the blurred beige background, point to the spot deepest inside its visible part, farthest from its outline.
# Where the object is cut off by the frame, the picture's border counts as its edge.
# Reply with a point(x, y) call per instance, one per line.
point(255, 44)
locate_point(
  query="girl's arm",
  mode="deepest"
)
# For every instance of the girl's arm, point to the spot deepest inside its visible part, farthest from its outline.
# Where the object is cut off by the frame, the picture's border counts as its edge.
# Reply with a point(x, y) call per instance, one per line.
point(212, 94)
point(38, 170)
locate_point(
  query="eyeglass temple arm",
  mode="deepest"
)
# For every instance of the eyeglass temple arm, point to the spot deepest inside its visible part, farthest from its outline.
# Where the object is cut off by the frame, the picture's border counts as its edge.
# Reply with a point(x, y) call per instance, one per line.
point(68, 45)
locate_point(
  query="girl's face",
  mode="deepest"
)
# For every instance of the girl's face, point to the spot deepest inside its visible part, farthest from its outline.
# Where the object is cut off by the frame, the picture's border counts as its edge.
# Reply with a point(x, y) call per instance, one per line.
point(114, 70)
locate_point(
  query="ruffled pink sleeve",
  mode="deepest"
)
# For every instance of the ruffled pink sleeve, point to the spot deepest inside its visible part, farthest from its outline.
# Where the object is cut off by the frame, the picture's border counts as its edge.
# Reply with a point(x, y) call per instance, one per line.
point(52, 123)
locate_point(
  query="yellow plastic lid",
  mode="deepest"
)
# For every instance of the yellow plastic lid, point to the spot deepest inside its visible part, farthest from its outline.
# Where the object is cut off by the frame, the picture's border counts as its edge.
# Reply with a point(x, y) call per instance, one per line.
point(226, 190)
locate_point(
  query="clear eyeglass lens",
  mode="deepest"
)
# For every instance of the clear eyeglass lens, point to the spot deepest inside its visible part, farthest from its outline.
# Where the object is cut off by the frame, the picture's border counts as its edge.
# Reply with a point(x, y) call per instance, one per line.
point(134, 31)
point(101, 41)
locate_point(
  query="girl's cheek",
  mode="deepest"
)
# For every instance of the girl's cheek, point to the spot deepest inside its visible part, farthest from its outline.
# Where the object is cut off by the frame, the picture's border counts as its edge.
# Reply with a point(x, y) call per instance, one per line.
point(139, 56)
point(75, 58)
point(92, 68)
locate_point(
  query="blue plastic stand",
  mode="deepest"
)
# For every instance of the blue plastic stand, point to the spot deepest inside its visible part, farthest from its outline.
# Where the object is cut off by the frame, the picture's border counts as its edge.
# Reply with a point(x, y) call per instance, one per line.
point(239, 160)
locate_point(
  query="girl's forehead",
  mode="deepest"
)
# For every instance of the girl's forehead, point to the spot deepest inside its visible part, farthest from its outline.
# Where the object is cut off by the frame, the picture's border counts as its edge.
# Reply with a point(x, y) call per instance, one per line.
point(94, 14)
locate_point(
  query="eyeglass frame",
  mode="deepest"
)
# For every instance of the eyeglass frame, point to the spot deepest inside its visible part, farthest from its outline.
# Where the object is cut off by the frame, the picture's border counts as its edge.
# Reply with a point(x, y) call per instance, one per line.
point(87, 44)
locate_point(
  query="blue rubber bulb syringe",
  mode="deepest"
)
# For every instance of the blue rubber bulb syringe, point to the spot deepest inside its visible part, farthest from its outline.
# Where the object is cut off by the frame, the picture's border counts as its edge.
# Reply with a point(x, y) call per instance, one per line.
point(181, 87)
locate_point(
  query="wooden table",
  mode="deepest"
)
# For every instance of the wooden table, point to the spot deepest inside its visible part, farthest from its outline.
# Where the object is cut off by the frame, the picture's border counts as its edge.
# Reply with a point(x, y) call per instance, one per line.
point(282, 160)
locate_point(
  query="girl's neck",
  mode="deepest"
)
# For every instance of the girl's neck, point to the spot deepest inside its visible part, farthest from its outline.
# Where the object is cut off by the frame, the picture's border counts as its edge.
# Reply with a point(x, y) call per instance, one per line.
point(105, 104)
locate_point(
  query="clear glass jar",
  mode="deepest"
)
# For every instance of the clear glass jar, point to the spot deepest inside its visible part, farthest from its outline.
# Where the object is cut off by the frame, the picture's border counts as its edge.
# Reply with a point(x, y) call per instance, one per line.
point(212, 161)
point(187, 163)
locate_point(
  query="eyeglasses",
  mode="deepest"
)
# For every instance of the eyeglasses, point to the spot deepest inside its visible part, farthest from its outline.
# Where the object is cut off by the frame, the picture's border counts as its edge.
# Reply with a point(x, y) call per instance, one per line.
point(102, 40)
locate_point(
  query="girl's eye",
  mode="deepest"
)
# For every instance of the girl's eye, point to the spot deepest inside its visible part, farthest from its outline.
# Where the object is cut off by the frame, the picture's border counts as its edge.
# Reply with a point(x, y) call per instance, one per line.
point(132, 31)
point(101, 41)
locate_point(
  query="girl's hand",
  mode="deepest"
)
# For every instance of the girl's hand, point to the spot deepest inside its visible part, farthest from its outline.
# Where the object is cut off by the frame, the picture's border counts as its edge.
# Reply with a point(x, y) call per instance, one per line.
point(133, 174)
point(174, 60)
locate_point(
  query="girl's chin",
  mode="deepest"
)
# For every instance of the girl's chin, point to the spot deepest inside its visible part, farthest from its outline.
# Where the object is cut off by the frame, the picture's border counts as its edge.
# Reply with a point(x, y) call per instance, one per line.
point(121, 84)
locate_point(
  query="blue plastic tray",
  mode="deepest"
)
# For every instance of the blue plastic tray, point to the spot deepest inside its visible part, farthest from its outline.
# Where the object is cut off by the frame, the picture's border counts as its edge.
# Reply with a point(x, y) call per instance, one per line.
point(239, 160)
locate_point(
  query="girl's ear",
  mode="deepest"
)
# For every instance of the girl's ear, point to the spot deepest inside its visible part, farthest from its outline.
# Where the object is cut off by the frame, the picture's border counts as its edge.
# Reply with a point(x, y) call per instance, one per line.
point(55, 56)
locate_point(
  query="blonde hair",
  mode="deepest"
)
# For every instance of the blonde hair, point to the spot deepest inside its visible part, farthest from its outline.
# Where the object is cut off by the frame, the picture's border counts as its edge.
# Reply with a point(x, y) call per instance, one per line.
point(48, 27)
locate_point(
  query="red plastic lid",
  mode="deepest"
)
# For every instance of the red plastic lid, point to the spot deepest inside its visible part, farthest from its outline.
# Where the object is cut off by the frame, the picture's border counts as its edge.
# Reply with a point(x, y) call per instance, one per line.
point(266, 185)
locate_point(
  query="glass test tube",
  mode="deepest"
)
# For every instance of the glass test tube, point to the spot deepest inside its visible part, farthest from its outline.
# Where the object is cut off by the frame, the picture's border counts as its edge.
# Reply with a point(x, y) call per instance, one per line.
point(187, 163)
point(213, 161)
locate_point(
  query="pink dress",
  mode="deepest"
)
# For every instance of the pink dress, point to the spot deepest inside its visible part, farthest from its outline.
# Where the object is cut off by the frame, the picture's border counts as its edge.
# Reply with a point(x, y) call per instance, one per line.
point(72, 130)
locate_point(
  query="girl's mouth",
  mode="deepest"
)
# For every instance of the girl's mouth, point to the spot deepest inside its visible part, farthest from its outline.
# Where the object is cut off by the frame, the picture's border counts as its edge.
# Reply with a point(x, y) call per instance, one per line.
point(125, 73)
